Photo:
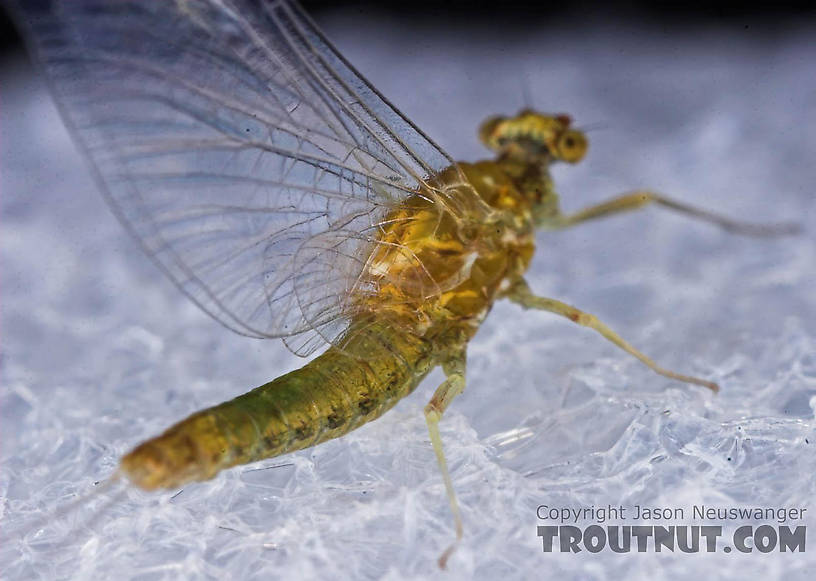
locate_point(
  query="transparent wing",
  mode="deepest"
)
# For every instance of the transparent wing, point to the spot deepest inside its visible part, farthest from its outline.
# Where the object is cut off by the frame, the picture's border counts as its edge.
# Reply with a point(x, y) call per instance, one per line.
point(252, 162)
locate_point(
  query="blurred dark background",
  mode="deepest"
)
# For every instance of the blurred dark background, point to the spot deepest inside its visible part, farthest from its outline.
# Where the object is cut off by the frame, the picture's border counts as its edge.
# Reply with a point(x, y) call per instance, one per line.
point(750, 18)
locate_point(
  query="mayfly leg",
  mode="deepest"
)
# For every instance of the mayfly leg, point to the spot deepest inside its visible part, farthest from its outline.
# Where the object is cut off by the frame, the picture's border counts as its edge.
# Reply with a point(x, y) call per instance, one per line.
point(520, 293)
point(453, 385)
point(641, 198)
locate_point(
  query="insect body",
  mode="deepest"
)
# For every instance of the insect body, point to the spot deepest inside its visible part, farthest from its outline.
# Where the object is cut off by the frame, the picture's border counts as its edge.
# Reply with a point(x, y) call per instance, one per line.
point(288, 199)
point(429, 280)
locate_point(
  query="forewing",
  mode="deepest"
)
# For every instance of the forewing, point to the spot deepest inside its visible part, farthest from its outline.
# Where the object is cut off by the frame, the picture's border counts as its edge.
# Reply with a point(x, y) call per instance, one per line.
point(253, 164)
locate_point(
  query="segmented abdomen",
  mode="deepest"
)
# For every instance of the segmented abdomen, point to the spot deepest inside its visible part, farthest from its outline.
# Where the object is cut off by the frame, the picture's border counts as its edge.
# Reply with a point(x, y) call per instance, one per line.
point(372, 368)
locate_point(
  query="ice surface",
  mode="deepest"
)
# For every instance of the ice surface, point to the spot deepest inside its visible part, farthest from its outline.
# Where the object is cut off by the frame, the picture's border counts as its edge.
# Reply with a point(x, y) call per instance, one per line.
point(100, 352)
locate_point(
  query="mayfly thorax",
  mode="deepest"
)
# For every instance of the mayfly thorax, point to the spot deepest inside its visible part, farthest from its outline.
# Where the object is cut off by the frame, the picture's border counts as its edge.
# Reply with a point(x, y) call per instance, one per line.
point(288, 199)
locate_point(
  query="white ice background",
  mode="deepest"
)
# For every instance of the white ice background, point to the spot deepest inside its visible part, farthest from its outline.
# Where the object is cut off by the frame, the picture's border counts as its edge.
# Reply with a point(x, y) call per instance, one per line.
point(100, 352)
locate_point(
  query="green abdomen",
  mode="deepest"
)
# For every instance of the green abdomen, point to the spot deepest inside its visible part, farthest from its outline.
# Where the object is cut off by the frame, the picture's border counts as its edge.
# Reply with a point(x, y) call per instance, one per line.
point(373, 367)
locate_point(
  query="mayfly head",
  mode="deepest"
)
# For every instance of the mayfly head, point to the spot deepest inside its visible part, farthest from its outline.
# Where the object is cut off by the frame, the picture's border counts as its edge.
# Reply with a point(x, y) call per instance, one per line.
point(534, 137)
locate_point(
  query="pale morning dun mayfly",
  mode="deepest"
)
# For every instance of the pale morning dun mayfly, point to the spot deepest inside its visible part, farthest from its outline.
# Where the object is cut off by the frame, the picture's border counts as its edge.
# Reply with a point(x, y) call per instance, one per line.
point(289, 199)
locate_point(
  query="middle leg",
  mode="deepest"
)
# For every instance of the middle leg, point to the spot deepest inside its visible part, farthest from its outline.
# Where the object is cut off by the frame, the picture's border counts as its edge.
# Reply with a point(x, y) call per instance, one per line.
point(520, 293)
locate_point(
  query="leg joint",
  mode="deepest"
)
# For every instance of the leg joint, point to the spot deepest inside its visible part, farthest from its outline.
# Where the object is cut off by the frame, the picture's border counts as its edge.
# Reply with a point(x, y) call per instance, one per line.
point(583, 319)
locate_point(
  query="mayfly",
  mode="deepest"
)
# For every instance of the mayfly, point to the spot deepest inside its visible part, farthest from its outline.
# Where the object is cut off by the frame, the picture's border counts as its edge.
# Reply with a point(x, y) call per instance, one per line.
point(286, 197)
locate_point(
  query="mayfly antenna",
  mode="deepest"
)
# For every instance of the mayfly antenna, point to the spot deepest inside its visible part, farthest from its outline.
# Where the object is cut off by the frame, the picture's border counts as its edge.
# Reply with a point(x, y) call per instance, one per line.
point(526, 93)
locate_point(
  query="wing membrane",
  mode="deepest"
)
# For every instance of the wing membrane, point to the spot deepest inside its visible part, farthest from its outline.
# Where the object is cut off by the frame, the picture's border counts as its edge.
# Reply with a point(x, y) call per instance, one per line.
point(251, 161)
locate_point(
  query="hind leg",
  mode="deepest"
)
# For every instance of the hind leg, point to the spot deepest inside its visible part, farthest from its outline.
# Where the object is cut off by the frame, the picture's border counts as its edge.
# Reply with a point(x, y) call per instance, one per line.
point(453, 385)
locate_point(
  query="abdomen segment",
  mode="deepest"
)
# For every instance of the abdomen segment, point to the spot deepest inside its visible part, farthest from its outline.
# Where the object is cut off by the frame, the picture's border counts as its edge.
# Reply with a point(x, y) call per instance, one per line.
point(372, 368)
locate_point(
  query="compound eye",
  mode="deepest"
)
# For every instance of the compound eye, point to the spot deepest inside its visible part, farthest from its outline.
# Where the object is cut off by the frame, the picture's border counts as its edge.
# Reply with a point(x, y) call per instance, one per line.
point(488, 131)
point(572, 146)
